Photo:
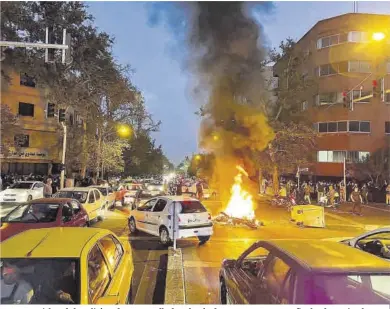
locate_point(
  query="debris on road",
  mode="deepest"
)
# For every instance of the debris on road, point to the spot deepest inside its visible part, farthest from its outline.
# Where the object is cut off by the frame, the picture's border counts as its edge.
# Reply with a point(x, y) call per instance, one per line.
point(225, 219)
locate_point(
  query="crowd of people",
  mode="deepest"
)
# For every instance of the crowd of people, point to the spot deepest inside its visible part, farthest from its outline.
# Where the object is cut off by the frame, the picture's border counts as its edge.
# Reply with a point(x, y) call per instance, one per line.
point(329, 193)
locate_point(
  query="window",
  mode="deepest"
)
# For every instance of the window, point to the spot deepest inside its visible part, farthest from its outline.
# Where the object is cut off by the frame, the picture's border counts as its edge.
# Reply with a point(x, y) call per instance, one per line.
point(322, 127)
point(160, 205)
point(387, 127)
point(98, 274)
point(328, 69)
point(112, 251)
point(252, 263)
point(365, 126)
point(339, 155)
point(91, 197)
point(328, 98)
point(361, 94)
point(75, 206)
point(342, 126)
point(332, 127)
point(26, 109)
point(353, 126)
point(358, 36)
point(332, 40)
point(22, 140)
point(147, 206)
point(97, 195)
point(275, 274)
point(357, 156)
point(191, 207)
point(359, 66)
point(322, 156)
point(26, 80)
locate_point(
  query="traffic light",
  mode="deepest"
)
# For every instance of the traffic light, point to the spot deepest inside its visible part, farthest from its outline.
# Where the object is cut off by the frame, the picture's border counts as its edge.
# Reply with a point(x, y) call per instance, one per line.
point(374, 88)
point(61, 115)
point(50, 110)
point(345, 99)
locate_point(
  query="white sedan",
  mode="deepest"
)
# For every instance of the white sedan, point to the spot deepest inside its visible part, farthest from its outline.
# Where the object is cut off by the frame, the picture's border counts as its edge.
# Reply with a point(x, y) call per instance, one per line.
point(23, 191)
point(155, 217)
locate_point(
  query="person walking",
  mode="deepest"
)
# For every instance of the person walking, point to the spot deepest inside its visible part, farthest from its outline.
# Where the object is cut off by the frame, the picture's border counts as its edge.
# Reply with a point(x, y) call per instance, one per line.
point(357, 201)
point(320, 191)
point(307, 191)
point(47, 189)
point(365, 194)
point(388, 195)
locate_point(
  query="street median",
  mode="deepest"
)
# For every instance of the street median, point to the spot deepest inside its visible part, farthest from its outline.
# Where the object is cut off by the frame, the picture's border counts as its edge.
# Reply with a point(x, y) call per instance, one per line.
point(174, 282)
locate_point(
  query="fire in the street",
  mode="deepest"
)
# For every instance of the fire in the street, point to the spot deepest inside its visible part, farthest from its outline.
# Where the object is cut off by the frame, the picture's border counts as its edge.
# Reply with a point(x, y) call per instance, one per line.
point(240, 204)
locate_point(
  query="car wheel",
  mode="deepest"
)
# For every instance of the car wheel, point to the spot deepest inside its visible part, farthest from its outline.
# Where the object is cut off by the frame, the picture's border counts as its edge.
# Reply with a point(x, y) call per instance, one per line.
point(29, 198)
point(203, 239)
point(132, 226)
point(164, 236)
point(223, 292)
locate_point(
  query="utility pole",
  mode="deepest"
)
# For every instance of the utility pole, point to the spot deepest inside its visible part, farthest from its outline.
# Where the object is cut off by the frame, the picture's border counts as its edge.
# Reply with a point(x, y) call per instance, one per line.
point(62, 180)
point(345, 181)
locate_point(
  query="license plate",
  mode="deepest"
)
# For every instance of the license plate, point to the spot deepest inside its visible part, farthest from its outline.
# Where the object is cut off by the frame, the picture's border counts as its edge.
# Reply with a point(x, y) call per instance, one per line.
point(9, 200)
point(195, 232)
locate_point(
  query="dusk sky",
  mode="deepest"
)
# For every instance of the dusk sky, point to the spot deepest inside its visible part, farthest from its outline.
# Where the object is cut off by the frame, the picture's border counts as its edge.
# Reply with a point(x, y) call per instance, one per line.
point(158, 71)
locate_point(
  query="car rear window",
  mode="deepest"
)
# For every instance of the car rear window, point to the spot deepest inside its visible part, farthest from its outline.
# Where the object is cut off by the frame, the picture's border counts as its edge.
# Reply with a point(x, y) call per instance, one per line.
point(190, 207)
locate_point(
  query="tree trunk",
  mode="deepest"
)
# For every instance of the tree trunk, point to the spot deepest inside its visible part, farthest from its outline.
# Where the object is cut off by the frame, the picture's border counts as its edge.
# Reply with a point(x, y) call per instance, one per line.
point(84, 152)
point(275, 178)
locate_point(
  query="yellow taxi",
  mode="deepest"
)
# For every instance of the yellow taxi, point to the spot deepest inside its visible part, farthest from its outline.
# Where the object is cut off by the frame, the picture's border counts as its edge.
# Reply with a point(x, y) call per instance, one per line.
point(66, 265)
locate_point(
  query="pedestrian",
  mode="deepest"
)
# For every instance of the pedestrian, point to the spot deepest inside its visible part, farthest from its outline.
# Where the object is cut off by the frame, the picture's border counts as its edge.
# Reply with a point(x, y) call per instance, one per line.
point(320, 191)
point(307, 191)
point(365, 194)
point(357, 201)
point(342, 192)
point(47, 189)
point(199, 190)
point(332, 194)
point(388, 195)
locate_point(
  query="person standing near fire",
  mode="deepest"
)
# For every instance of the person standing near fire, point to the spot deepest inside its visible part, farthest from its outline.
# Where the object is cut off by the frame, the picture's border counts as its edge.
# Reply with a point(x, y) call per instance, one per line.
point(199, 190)
point(357, 201)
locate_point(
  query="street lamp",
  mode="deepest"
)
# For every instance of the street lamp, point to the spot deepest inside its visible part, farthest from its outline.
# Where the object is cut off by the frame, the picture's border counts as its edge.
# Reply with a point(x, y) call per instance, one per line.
point(124, 131)
point(378, 36)
point(198, 157)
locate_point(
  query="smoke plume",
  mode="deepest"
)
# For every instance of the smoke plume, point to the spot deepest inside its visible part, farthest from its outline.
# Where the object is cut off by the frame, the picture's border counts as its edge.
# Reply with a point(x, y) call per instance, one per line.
point(226, 58)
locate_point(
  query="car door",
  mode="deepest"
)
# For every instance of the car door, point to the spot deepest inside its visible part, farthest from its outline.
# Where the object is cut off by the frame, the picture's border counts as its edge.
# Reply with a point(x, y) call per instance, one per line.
point(99, 276)
point(119, 266)
point(142, 215)
point(89, 205)
point(80, 217)
point(156, 217)
point(243, 280)
point(99, 201)
point(272, 282)
point(67, 215)
point(110, 196)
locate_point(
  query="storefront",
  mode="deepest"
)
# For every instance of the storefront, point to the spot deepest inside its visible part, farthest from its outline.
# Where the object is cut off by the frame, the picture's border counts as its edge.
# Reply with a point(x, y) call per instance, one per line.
point(27, 161)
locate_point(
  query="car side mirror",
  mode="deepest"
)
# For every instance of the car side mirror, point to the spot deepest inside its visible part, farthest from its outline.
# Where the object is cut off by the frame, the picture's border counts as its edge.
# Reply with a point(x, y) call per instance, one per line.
point(107, 300)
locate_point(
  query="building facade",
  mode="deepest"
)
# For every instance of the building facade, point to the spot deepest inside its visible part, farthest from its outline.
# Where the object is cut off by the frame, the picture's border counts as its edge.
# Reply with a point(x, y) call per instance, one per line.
point(38, 144)
point(345, 61)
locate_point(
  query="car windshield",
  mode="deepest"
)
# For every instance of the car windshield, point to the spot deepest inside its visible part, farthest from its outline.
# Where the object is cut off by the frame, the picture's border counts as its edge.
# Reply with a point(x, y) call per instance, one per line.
point(41, 279)
point(190, 207)
point(349, 289)
point(33, 213)
point(21, 185)
point(81, 196)
point(103, 191)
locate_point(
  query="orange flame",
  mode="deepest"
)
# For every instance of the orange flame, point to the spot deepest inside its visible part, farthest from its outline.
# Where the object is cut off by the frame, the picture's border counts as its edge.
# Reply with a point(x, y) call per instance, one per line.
point(240, 204)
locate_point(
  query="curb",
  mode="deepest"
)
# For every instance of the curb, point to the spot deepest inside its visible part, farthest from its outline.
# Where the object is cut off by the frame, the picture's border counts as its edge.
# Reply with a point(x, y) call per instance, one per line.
point(174, 282)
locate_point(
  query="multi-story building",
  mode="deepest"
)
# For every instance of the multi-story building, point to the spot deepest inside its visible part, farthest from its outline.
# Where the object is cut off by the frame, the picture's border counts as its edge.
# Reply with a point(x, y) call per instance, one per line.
point(38, 143)
point(346, 60)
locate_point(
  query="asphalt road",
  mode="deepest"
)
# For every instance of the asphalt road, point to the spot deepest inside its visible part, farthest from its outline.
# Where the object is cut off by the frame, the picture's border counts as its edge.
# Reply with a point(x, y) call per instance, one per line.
point(202, 262)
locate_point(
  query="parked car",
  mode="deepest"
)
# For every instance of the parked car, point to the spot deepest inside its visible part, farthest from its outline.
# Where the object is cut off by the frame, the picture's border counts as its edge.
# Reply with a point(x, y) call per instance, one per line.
point(108, 195)
point(23, 191)
point(142, 196)
point(43, 213)
point(70, 265)
point(376, 242)
point(304, 272)
point(90, 198)
point(155, 217)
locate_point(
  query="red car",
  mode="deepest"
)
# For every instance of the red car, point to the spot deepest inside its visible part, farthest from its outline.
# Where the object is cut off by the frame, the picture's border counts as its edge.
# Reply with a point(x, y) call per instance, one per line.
point(43, 213)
